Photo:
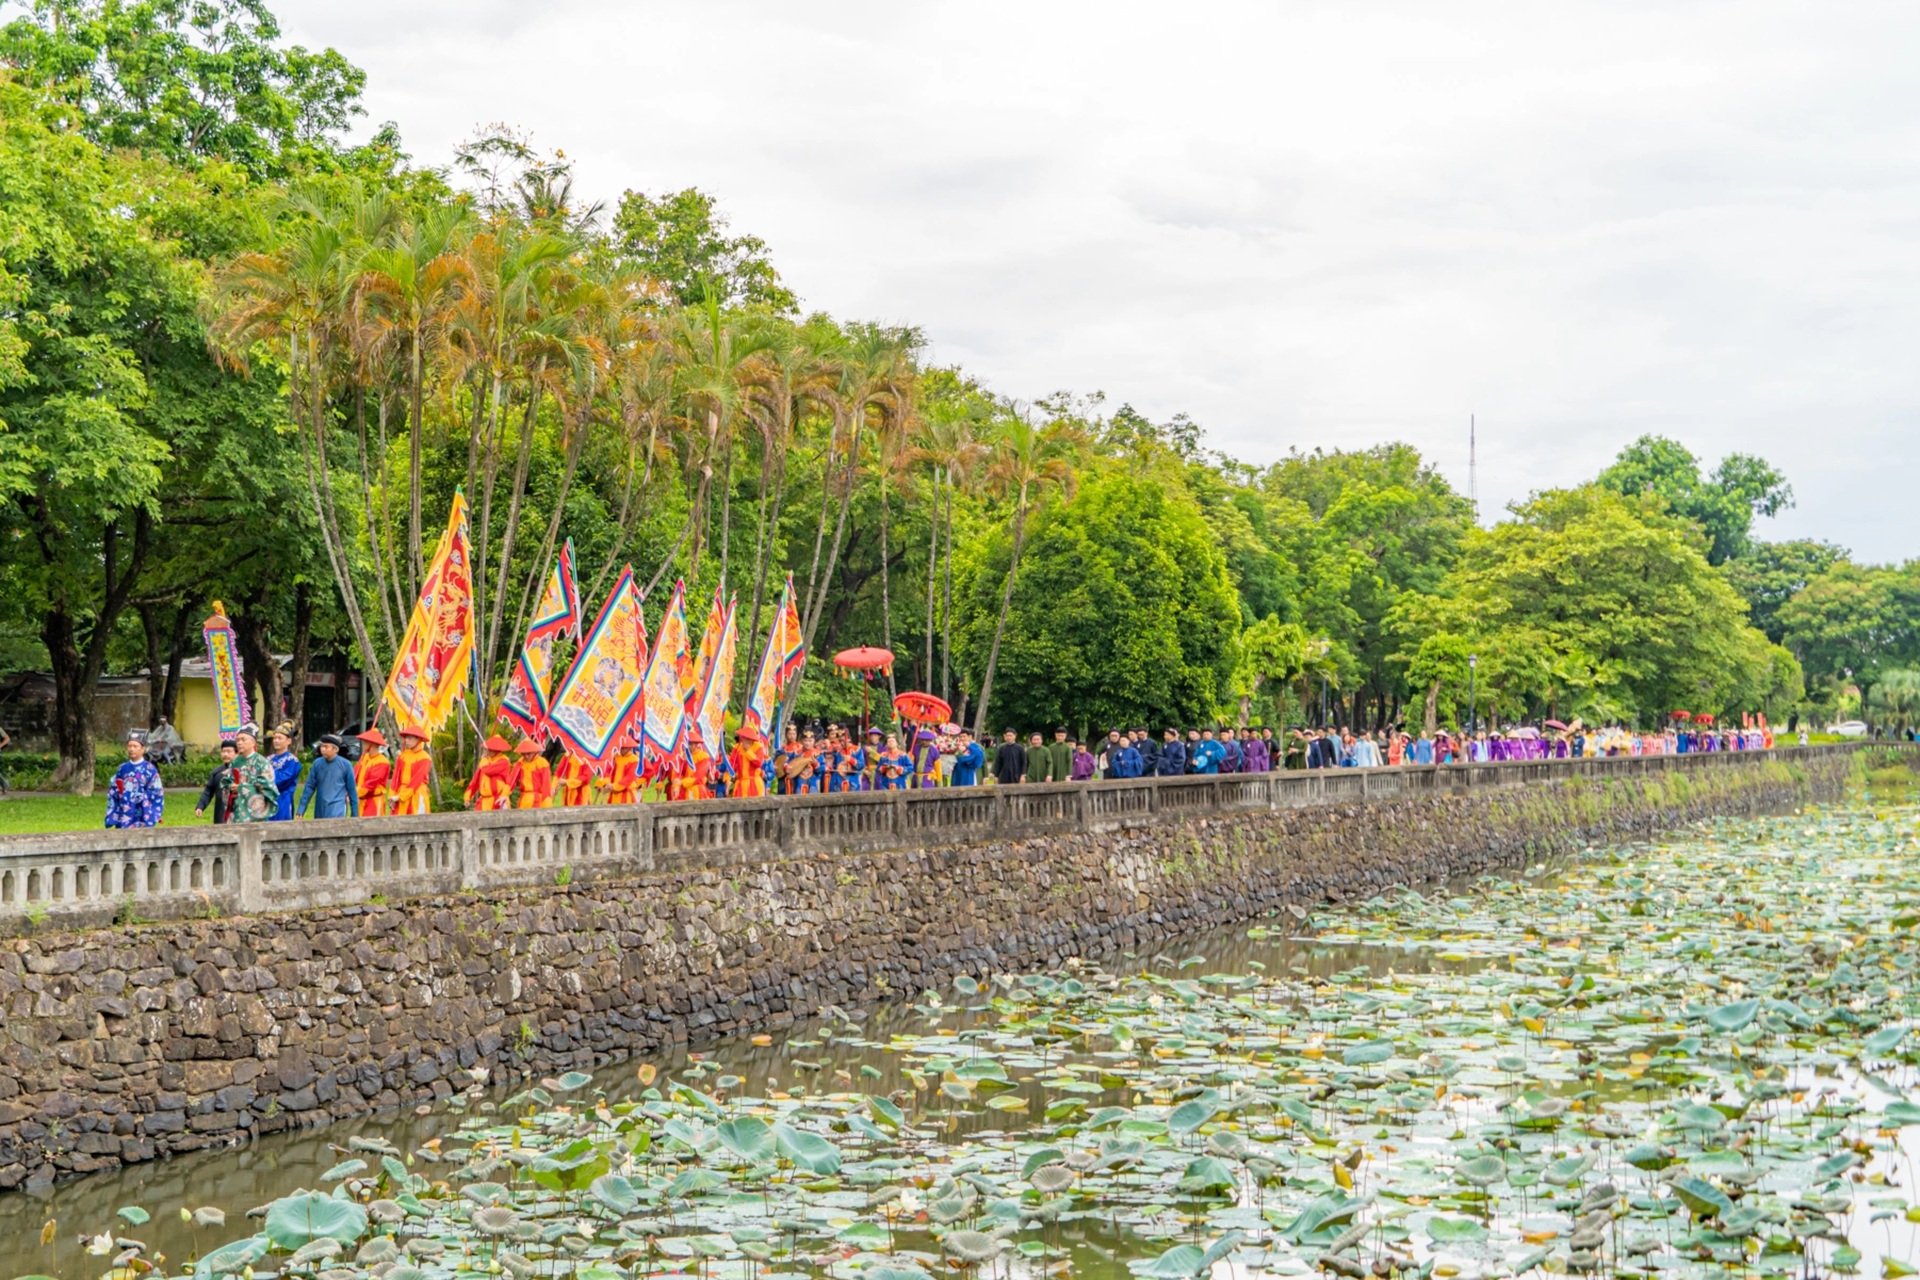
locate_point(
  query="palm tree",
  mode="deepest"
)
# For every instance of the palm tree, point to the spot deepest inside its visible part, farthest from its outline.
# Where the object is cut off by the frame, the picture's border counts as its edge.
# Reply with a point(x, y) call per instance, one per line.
point(949, 442)
point(298, 295)
point(714, 357)
point(876, 376)
point(497, 342)
point(410, 285)
point(1027, 463)
point(791, 369)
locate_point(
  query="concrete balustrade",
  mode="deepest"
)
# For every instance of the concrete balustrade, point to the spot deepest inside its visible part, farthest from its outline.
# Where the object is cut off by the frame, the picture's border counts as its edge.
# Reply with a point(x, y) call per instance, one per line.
point(85, 878)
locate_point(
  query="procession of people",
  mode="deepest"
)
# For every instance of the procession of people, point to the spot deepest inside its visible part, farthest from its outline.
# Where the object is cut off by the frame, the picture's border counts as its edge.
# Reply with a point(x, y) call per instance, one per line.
point(812, 759)
point(632, 720)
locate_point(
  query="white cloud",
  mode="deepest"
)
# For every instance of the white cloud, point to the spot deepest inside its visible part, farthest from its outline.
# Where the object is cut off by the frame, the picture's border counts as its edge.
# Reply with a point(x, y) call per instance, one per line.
point(1302, 223)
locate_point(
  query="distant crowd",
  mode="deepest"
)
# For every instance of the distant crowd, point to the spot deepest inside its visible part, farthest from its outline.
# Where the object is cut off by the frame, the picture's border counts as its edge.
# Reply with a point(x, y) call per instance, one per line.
point(251, 785)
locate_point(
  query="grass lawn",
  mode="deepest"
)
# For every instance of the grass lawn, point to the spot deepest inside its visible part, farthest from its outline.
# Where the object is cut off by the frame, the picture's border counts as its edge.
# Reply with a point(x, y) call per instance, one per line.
point(23, 813)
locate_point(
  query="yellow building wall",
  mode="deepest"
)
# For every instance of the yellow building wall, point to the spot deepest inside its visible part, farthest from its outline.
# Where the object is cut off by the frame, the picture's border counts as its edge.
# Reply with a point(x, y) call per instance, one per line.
point(199, 718)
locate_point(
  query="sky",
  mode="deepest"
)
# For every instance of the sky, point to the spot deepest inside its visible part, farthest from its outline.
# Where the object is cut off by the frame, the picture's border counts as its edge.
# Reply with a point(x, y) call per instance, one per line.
point(1303, 224)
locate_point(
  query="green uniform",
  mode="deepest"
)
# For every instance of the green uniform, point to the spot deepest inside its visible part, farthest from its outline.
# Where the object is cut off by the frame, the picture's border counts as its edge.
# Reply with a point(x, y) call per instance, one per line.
point(1039, 764)
point(1061, 755)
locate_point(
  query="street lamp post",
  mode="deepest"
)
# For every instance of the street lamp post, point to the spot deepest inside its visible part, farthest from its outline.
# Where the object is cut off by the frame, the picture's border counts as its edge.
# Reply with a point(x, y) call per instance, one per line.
point(1473, 708)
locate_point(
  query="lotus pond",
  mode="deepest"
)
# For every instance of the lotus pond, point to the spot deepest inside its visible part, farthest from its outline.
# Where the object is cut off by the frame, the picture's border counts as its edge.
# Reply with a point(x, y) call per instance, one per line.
point(1689, 1059)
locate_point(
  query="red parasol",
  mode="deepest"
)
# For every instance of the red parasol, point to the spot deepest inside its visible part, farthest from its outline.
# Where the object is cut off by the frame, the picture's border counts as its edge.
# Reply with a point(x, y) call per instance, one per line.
point(866, 658)
point(865, 664)
point(922, 708)
point(1703, 718)
point(1683, 715)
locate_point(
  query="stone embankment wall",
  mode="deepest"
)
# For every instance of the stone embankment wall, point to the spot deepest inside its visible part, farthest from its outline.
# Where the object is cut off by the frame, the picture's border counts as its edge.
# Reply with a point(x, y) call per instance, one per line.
point(129, 1043)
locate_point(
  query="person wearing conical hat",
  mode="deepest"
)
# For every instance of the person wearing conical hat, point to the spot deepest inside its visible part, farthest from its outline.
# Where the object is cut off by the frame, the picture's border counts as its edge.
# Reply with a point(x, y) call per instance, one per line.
point(491, 787)
point(623, 780)
point(373, 773)
point(412, 774)
point(575, 778)
point(534, 776)
point(749, 763)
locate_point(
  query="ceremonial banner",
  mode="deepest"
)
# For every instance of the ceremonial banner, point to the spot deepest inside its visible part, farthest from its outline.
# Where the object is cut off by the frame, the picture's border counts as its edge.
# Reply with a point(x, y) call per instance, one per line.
point(786, 654)
point(709, 646)
point(669, 675)
point(593, 710)
point(714, 685)
point(436, 659)
point(525, 703)
point(223, 661)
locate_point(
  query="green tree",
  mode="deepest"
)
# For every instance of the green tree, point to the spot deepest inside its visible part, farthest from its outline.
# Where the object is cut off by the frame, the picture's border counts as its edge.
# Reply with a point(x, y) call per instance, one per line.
point(1772, 573)
point(188, 80)
point(115, 413)
point(1026, 463)
point(1122, 613)
point(1723, 504)
point(1591, 603)
point(1854, 622)
point(1364, 530)
point(682, 241)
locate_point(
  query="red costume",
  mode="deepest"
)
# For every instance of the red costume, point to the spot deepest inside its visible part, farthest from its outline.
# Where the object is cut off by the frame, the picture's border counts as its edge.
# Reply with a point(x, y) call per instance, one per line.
point(491, 787)
point(412, 777)
point(749, 760)
point(623, 783)
point(534, 776)
point(575, 777)
point(372, 772)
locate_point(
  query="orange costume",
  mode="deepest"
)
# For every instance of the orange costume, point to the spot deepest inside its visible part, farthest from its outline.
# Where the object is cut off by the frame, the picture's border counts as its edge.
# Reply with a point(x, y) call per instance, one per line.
point(575, 777)
point(371, 774)
point(535, 776)
point(623, 783)
point(412, 775)
point(749, 762)
point(692, 781)
point(492, 785)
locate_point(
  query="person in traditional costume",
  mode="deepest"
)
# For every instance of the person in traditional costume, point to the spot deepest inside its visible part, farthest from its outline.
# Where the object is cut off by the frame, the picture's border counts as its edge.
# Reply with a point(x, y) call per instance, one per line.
point(623, 780)
point(135, 797)
point(749, 761)
point(286, 769)
point(1083, 765)
point(412, 775)
point(692, 778)
point(575, 778)
point(534, 776)
point(843, 764)
point(330, 785)
point(491, 787)
point(969, 761)
point(1233, 756)
point(926, 758)
point(893, 766)
point(256, 795)
point(372, 774)
point(218, 793)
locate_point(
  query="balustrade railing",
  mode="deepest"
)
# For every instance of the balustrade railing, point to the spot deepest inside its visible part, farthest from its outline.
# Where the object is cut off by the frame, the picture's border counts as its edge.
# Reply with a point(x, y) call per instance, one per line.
point(169, 872)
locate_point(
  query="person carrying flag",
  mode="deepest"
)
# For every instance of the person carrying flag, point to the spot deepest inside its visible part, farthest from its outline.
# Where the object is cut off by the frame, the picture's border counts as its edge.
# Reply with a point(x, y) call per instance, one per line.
point(412, 775)
point(749, 763)
point(533, 775)
point(575, 779)
point(373, 774)
point(623, 782)
point(491, 787)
